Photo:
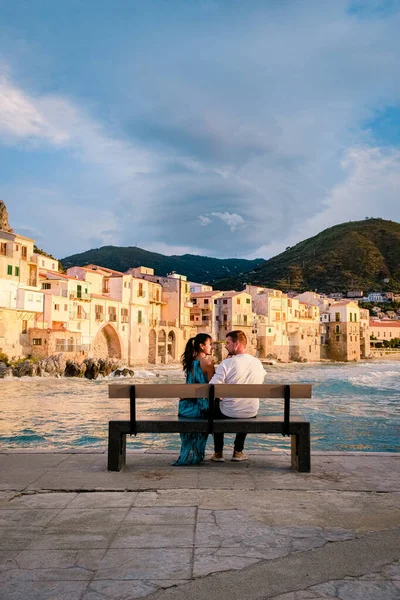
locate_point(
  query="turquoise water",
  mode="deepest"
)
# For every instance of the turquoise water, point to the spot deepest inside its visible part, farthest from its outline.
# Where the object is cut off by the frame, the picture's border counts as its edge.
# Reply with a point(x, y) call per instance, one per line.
point(355, 407)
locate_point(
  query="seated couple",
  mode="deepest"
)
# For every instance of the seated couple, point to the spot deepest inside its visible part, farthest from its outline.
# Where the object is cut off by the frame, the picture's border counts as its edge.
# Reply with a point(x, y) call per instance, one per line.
point(239, 367)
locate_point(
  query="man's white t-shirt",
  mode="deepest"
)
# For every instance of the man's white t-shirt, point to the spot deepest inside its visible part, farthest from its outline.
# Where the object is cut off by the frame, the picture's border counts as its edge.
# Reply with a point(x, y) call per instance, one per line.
point(241, 368)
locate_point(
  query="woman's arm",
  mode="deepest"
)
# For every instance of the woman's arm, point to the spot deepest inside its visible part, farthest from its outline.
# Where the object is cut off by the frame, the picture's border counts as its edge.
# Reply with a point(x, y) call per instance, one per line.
point(207, 367)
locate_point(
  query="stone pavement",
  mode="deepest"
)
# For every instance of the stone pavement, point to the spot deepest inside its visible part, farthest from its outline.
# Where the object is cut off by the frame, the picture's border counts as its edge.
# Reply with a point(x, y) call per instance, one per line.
point(71, 530)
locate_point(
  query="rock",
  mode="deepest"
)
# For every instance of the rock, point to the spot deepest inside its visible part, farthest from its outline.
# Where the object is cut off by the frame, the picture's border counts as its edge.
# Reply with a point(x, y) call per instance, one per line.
point(92, 368)
point(123, 372)
point(5, 371)
point(25, 368)
point(73, 369)
point(4, 224)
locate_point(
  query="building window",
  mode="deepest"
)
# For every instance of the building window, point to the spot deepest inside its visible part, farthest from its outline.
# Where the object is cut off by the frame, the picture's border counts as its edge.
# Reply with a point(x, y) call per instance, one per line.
point(43, 263)
point(37, 341)
point(79, 311)
point(140, 290)
point(3, 248)
point(351, 317)
point(206, 301)
point(56, 307)
point(9, 269)
point(244, 319)
point(355, 338)
point(112, 313)
point(269, 329)
point(16, 271)
point(337, 329)
point(124, 315)
point(337, 316)
point(215, 301)
point(225, 318)
point(194, 300)
point(248, 300)
point(53, 266)
point(355, 317)
point(338, 338)
point(192, 317)
point(65, 307)
point(139, 316)
point(224, 301)
point(46, 286)
point(24, 252)
point(238, 301)
point(24, 327)
point(351, 338)
point(309, 348)
point(98, 311)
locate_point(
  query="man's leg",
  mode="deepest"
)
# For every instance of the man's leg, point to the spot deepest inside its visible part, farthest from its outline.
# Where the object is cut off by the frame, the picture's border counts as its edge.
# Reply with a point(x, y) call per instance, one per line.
point(239, 442)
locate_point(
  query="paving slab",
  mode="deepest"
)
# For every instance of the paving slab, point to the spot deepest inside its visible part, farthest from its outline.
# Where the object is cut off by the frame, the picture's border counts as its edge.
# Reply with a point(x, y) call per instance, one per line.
point(254, 530)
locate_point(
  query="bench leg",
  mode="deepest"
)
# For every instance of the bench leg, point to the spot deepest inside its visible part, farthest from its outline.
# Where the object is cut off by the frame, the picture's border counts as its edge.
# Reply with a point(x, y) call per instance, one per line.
point(116, 447)
point(301, 450)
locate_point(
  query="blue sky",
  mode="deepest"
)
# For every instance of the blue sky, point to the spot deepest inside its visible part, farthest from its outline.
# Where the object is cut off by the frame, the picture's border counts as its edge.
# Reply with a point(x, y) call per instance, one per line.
point(216, 127)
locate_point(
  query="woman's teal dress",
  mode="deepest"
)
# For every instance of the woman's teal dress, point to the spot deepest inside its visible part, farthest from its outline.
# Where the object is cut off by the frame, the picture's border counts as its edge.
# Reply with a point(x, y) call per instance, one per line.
point(193, 445)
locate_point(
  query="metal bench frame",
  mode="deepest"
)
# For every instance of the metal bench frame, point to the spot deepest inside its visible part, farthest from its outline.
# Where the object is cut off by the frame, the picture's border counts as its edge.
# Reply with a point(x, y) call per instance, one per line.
point(296, 427)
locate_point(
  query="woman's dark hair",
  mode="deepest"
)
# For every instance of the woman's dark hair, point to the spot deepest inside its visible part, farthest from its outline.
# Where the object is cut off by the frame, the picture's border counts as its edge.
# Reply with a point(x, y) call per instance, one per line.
point(192, 348)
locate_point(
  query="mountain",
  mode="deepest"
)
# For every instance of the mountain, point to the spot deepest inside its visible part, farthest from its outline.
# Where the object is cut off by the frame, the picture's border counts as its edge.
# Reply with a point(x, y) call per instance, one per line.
point(201, 269)
point(359, 255)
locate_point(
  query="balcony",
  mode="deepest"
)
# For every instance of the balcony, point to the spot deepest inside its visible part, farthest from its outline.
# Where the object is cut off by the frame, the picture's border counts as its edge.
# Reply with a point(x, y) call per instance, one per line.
point(155, 299)
point(188, 304)
point(99, 317)
point(112, 318)
point(125, 319)
point(75, 316)
point(168, 323)
point(79, 296)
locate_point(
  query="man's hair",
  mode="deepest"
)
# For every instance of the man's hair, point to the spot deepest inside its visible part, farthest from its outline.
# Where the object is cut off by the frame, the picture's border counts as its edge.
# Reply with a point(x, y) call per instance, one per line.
point(238, 336)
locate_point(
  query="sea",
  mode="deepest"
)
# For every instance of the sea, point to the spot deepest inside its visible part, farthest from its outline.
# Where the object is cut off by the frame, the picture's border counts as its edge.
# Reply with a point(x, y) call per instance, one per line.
point(355, 407)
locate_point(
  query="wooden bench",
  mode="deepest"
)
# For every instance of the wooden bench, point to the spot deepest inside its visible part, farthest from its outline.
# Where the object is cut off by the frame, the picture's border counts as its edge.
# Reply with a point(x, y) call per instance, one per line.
point(296, 427)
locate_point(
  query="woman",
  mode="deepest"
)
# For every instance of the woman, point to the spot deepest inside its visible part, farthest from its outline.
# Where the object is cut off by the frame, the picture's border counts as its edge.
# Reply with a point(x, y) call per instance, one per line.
point(199, 369)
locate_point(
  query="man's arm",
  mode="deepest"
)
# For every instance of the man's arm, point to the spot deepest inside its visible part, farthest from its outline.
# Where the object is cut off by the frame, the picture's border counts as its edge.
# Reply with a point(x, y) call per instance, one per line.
point(220, 374)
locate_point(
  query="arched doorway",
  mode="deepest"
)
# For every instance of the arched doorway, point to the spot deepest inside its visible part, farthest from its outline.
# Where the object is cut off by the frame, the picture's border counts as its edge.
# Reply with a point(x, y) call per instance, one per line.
point(171, 346)
point(162, 346)
point(107, 344)
point(152, 347)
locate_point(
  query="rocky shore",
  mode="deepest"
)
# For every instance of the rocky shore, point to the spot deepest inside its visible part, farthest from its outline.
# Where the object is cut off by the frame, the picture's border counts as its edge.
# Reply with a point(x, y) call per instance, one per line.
point(58, 366)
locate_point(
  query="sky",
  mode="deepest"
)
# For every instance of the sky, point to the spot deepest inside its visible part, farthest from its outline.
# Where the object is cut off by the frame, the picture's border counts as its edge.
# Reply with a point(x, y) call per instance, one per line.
point(214, 127)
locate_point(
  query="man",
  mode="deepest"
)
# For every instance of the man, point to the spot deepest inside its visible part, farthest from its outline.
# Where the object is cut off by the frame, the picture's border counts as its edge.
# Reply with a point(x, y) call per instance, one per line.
point(240, 368)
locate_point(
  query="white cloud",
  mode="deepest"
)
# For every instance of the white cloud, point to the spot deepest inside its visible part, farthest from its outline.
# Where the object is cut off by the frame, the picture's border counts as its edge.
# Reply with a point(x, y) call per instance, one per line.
point(57, 121)
point(231, 219)
point(23, 118)
point(204, 221)
point(370, 188)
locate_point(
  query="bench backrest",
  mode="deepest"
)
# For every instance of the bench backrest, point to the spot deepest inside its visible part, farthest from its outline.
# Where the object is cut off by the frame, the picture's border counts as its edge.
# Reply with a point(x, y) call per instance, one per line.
point(210, 391)
point(201, 390)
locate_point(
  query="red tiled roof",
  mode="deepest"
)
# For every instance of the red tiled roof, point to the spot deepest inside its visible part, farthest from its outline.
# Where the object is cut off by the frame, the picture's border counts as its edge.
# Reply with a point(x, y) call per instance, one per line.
point(204, 294)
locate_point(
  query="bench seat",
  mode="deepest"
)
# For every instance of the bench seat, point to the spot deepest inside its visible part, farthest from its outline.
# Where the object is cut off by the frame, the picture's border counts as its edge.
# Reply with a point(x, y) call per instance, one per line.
point(299, 431)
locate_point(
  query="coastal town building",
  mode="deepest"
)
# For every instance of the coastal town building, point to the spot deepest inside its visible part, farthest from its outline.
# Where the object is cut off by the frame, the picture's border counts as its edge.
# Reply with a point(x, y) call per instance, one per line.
point(343, 331)
point(383, 330)
point(21, 301)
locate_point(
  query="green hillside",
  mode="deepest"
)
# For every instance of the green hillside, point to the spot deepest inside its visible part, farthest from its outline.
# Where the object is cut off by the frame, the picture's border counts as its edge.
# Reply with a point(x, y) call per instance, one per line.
point(197, 268)
point(356, 255)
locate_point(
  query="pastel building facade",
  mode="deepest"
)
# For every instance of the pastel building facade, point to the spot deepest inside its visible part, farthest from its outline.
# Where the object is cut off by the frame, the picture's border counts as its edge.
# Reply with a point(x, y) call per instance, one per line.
point(21, 301)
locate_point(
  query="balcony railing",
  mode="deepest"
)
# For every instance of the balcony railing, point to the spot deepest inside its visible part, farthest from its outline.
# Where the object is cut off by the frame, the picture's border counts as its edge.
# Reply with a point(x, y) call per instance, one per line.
point(125, 319)
point(112, 318)
point(78, 316)
point(79, 296)
point(99, 317)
